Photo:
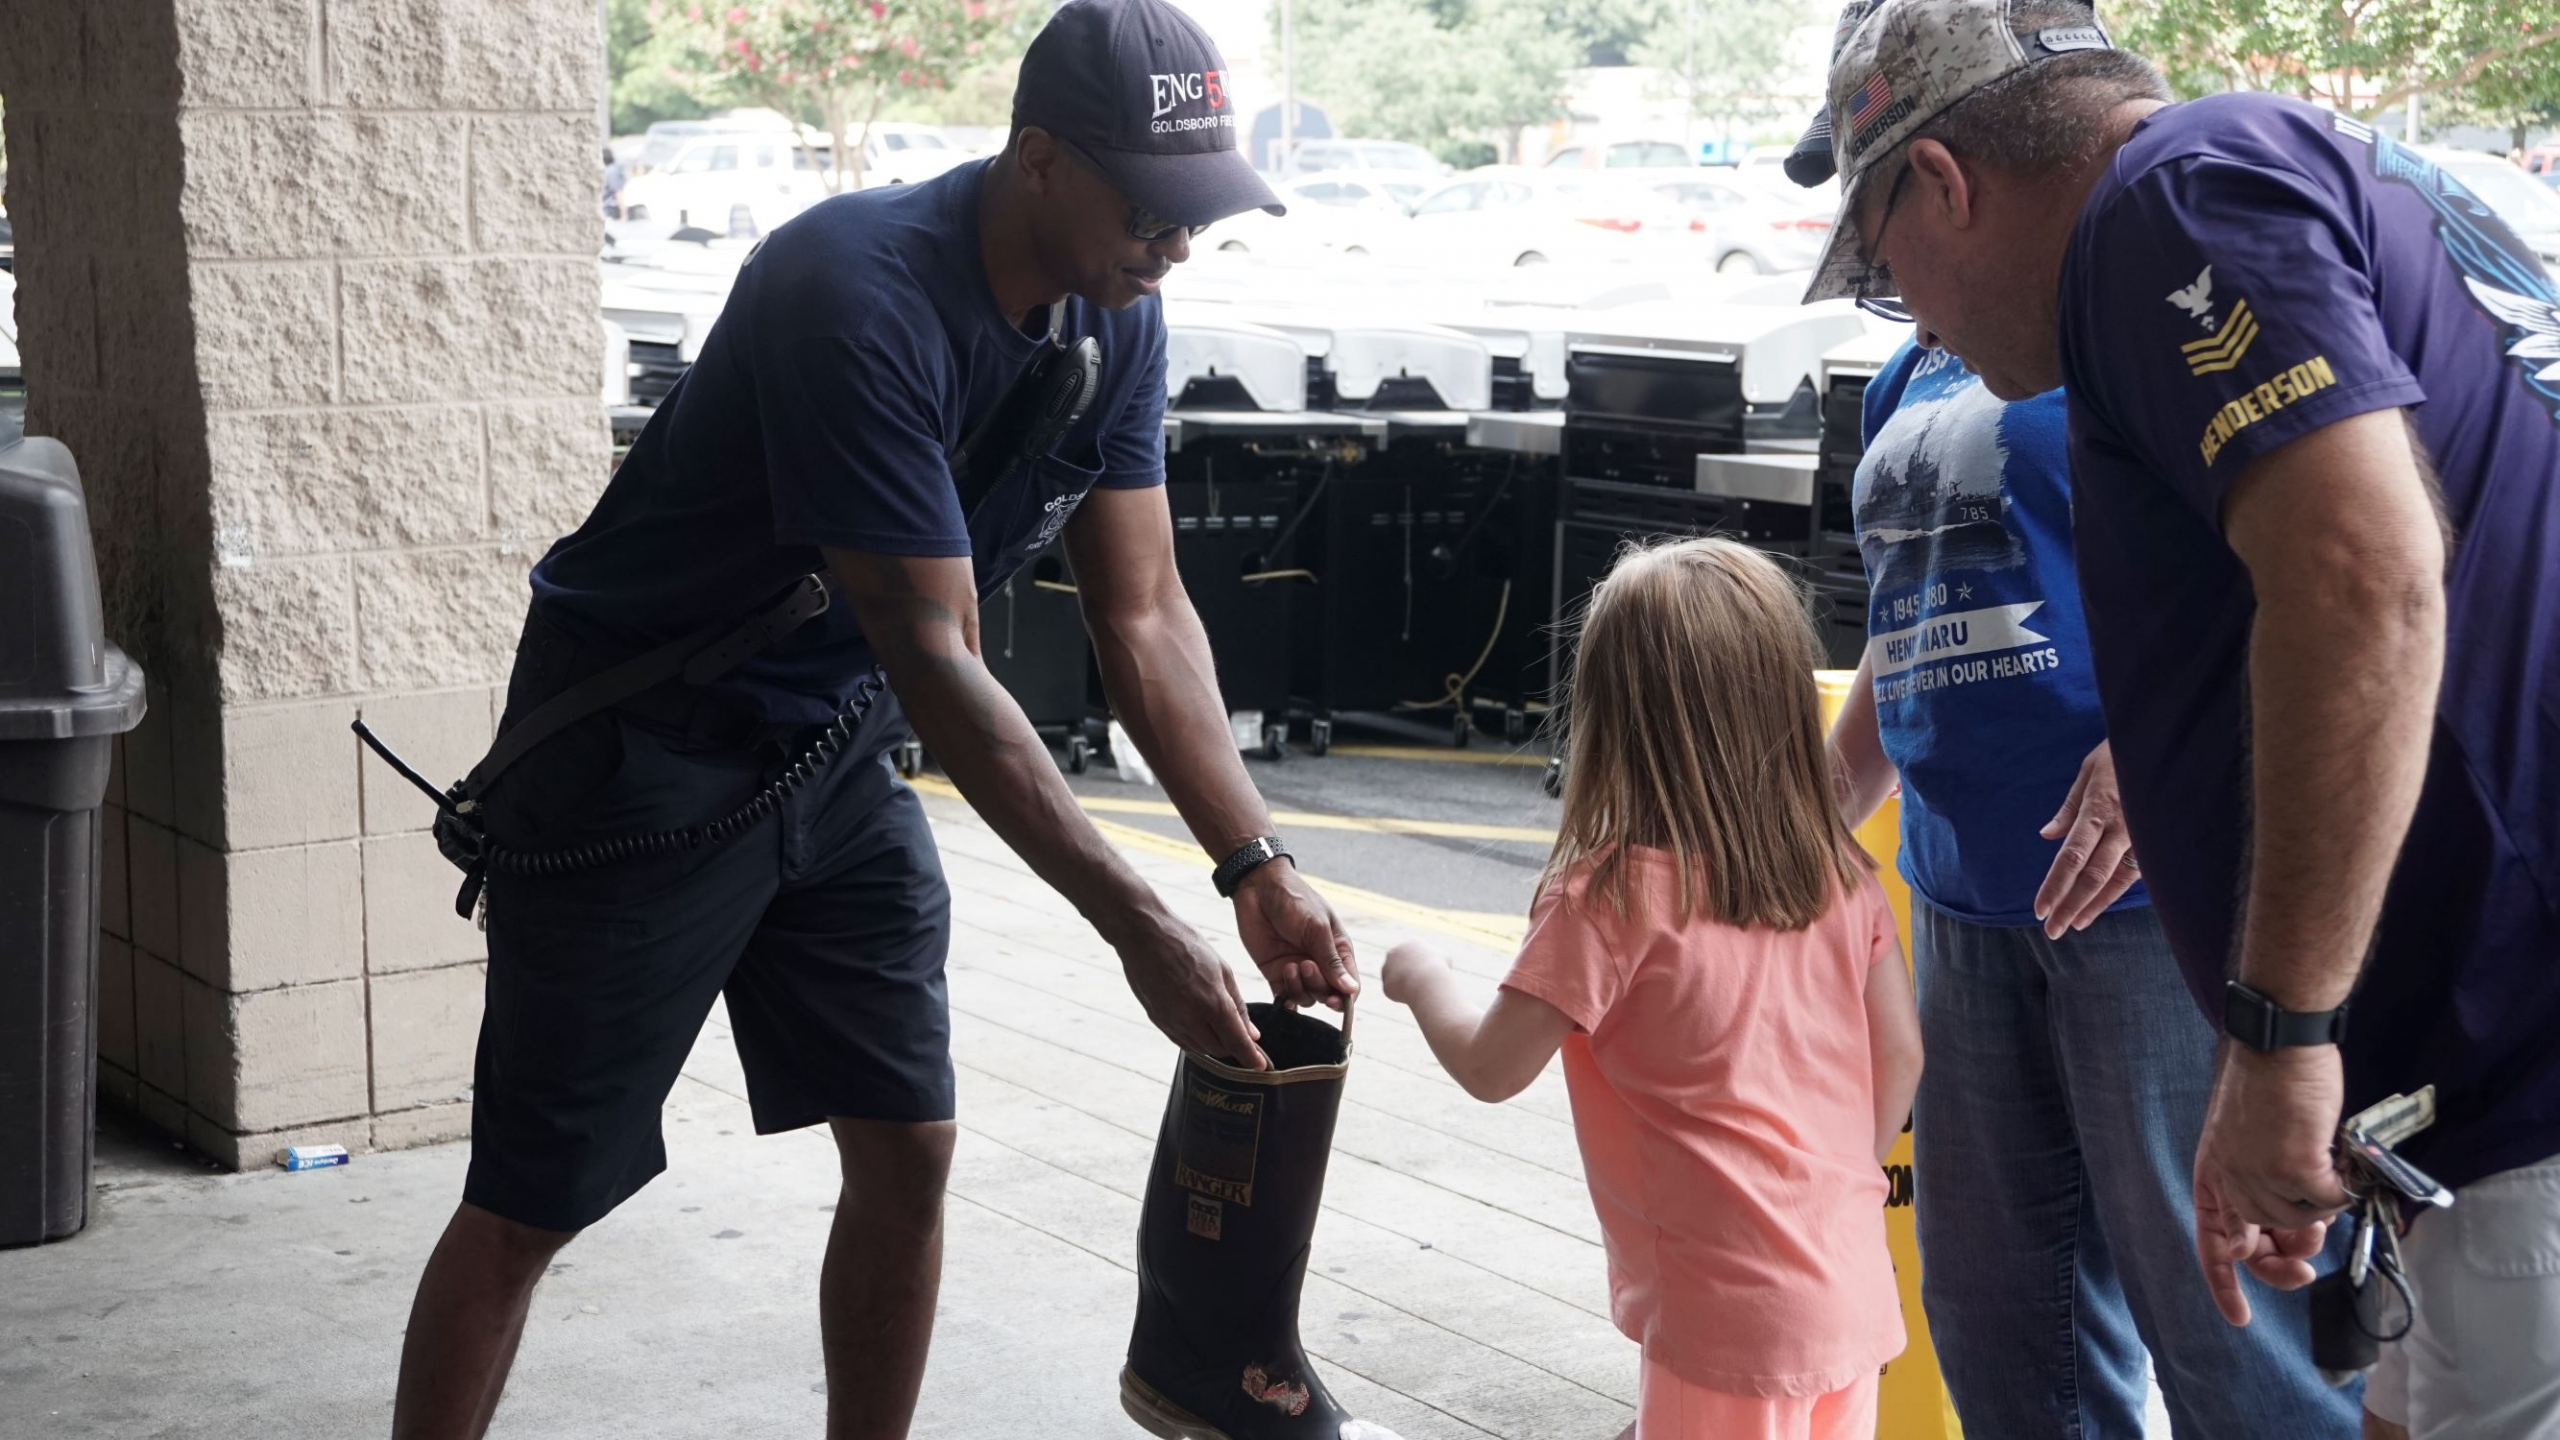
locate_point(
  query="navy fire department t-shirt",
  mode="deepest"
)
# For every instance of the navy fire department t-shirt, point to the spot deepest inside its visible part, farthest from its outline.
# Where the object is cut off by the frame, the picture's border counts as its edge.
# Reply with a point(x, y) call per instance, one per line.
point(860, 346)
point(2248, 270)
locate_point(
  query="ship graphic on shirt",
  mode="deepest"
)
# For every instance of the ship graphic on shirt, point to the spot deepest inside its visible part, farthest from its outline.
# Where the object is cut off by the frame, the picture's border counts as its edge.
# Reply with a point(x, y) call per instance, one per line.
point(1956, 591)
point(1930, 495)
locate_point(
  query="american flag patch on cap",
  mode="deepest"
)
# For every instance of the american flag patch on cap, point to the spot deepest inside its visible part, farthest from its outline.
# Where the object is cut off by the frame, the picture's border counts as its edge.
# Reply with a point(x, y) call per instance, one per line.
point(1870, 103)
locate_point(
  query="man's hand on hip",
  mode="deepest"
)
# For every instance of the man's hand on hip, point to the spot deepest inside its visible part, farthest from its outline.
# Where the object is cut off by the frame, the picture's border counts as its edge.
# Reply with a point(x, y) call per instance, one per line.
point(2266, 1181)
point(1293, 935)
point(2095, 866)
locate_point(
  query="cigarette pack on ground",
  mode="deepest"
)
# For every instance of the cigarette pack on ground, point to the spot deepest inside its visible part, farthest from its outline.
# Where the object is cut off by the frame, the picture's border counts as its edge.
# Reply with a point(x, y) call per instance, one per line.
point(311, 1157)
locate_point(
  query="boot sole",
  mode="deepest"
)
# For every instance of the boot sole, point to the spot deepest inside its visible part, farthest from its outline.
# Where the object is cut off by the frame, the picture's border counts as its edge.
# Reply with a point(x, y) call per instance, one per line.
point(1161, 1417)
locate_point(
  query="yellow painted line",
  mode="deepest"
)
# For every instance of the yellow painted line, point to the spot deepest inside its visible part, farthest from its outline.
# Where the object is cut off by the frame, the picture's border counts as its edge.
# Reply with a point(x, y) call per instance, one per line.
point(1490, 929)
point(1298, 819)
point(1476, 927)
point(1311, 820)
point(1444, 757)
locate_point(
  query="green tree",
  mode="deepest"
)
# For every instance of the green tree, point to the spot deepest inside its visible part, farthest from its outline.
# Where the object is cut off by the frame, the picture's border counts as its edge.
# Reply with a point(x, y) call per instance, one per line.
point(1602, 32)
point(1435, 74)
point(2361, 57)
point(649, 70)
point(1724, 57)
point(841, 61)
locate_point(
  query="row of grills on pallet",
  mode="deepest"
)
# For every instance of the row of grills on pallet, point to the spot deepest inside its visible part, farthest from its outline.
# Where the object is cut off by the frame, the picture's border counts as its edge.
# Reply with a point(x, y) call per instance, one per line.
point(1396, 517)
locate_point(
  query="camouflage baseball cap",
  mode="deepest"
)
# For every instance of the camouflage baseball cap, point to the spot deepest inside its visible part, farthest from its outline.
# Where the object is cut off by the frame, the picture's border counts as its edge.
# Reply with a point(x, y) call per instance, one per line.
point(1904, 65)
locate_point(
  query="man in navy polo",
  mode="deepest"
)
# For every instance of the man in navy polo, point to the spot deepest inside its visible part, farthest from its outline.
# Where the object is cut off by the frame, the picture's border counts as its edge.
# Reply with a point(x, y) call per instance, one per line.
point(864, 341)
point(2314, 412)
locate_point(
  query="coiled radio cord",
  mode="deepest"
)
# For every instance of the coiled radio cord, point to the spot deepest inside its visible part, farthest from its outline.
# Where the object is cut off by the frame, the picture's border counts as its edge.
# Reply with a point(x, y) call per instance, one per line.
point(461, 837)
point(812, 763)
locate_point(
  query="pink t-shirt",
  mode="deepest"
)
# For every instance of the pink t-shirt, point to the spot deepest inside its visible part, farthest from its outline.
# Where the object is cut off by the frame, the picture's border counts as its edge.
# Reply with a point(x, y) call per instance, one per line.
point(1723, 1099)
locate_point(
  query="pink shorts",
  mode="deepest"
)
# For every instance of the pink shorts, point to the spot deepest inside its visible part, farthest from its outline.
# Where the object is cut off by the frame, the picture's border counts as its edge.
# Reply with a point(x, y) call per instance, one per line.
point(1670, 1408)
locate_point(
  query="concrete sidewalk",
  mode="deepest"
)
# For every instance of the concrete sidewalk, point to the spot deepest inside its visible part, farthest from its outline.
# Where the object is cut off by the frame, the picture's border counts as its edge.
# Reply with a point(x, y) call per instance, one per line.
point(1457, 1287)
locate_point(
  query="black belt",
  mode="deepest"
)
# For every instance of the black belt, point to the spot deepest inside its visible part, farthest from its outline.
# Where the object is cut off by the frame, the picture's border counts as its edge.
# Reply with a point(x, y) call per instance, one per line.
point(697, 659)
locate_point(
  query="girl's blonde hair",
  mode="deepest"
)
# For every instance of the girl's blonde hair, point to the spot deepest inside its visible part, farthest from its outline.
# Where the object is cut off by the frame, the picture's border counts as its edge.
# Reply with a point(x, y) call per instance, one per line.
point(1694, 726)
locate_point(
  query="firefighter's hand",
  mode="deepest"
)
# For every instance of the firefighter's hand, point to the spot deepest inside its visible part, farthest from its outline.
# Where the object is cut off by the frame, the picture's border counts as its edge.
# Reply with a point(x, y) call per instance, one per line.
point(1293, 935)
point(1187, 990)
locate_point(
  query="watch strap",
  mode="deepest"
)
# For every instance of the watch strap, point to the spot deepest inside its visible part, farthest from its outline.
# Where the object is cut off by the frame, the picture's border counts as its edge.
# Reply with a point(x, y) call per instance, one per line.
point(1251, 856)
point(2257, 1021)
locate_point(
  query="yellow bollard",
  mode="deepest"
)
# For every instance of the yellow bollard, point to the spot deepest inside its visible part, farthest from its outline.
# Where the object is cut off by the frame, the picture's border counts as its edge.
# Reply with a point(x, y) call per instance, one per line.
point(1912, 1403)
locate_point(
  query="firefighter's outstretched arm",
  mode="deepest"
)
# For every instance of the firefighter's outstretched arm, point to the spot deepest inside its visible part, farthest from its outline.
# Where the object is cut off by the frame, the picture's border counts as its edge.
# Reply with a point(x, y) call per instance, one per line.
point(921, 616)
point(1163, 686)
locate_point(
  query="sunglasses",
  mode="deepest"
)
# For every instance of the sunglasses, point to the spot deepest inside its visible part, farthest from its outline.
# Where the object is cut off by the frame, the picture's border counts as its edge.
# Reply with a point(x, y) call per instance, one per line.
point(1143, 224)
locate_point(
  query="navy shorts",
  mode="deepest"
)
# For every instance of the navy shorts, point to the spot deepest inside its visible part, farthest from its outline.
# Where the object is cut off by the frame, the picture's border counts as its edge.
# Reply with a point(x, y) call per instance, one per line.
point(825, 927)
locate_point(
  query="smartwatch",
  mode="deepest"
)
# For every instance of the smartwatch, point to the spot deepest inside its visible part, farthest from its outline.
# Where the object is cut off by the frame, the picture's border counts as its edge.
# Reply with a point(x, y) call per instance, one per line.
point(1256, 853)
point(2258, 1022)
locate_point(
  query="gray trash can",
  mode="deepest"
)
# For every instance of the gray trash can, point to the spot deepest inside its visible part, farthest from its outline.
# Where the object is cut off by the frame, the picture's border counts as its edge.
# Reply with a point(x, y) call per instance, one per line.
point(65, 694)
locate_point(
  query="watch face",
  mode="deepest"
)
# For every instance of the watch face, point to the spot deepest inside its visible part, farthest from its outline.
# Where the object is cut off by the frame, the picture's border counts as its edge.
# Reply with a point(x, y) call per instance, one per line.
point(2248, 1017)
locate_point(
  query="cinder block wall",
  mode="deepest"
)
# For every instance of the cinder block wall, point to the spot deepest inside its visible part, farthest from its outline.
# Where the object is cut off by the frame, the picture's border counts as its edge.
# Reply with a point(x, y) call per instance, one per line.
point(309, 288)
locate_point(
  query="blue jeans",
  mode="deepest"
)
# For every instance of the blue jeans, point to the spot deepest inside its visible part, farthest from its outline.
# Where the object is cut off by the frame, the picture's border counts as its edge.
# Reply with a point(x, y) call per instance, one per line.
point(2055, 1141)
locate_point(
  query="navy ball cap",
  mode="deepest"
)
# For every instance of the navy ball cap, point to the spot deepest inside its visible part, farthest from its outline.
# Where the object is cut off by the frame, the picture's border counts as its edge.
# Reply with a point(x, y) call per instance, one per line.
point(1137, 87)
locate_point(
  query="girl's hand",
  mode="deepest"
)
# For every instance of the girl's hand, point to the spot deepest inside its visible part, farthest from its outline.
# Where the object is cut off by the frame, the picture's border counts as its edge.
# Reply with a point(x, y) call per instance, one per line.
point(1405, 965)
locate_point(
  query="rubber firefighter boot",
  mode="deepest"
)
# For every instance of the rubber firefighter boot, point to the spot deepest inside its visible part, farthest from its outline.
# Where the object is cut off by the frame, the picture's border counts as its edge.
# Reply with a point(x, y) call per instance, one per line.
point(1223, 1239)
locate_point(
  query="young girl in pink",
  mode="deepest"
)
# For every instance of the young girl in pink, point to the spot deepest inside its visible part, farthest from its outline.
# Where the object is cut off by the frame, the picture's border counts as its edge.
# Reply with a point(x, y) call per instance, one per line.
point(1713, 954)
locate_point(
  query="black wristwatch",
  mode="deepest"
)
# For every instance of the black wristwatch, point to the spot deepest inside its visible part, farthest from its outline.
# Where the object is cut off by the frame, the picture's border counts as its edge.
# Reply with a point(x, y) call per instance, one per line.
point(2249, 1017)
point(1255, 854)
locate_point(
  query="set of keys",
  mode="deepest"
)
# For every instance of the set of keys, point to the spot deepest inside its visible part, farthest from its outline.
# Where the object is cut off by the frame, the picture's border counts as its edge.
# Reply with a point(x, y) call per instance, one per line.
point(2352, 1317)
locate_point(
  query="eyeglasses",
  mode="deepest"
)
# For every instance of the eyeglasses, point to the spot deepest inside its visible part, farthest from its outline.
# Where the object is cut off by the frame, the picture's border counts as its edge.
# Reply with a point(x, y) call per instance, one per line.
point(1886, 307)
point(1143, 225)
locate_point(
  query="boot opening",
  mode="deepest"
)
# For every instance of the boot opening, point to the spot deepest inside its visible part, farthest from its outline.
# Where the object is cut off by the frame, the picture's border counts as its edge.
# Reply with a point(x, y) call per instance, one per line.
point(1295, 1039)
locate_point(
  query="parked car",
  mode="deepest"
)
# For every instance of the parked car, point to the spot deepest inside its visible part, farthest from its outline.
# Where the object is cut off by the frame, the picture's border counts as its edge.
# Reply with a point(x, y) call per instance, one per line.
point(1365, 189)
point(2529, 207)
point(1316, 156)
point(896, 154)
point(1344, 212)
point(736, 183)
point(1758, 227)
point(1621, 155)
point(2543, 162)
point(659, 146)
point(1504, 217)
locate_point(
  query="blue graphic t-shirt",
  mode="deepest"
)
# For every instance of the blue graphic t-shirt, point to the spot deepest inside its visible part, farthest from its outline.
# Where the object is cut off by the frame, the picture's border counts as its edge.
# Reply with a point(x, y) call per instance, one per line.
point(2247, 270)
point(1985, 701)
point(858, 349)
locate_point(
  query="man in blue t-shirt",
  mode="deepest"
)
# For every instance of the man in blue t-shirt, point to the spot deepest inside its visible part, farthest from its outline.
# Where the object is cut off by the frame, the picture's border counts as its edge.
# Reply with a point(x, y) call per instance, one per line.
point(2315, 451)
point(2068, 1070)
point(863, 343)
